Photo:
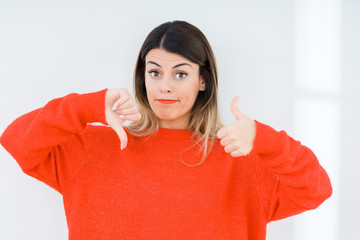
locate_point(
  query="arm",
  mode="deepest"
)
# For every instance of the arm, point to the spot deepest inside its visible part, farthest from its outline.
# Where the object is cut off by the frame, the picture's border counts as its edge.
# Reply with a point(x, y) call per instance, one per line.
point(290, 178)
point(50, 143)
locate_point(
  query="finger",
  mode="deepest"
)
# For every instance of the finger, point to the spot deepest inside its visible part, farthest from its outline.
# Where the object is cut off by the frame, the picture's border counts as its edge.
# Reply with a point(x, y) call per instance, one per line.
point(122, 136)
point(126, 105)
point(235, 110)
point(120, 101)
point(225, 141)
point(116, 122)
point(222, 132)
point(131, 117)
point(237, 153)
point(128, 111)
point(231, 147)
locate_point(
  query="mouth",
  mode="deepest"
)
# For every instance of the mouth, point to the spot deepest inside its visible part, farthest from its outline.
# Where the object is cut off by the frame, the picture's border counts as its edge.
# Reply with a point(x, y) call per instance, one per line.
point(166, 101)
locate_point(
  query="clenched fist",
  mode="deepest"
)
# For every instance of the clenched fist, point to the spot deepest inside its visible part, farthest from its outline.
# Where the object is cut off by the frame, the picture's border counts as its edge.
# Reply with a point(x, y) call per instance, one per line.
point(238, 137)
point(119, 107)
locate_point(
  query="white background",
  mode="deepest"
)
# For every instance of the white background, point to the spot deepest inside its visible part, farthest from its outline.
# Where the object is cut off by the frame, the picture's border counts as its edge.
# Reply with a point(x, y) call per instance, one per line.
point(294, 64)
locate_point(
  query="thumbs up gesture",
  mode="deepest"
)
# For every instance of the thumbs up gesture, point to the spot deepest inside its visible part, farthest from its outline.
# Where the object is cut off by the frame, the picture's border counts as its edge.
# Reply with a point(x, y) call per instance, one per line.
point(238, 137)
point(119, 107)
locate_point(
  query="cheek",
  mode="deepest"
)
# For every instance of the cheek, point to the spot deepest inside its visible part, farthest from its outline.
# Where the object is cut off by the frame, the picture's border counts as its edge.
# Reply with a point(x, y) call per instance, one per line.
point(190, 97)
point(150, 94)
point(149, 90)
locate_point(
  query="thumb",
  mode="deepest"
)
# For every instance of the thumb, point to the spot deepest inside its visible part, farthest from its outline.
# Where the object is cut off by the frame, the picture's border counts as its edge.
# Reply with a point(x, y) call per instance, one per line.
point(122, 135)
point(235, 110)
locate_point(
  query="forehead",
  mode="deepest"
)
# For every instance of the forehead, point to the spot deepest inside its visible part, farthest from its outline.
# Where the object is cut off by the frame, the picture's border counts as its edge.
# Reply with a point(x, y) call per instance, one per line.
point(167, 58)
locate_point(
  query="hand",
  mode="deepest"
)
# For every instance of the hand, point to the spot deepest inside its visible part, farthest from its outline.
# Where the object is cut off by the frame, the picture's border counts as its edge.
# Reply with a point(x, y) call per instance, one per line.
point(119, 107)
point(238, 137)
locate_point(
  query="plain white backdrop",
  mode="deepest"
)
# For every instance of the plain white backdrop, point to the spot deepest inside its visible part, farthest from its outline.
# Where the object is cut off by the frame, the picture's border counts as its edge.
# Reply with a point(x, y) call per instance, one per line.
point(293, 63)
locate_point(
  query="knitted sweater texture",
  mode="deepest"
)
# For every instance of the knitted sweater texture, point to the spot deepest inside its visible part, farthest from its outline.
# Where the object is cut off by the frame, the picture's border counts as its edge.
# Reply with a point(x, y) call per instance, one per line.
point(146, 192)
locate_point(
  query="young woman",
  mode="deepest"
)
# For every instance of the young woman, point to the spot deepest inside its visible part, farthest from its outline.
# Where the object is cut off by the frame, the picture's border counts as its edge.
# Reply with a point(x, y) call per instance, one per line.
point(175, 172)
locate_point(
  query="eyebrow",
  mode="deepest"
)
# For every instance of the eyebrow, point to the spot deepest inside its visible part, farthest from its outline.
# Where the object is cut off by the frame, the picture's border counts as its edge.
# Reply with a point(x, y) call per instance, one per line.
point(181, 64)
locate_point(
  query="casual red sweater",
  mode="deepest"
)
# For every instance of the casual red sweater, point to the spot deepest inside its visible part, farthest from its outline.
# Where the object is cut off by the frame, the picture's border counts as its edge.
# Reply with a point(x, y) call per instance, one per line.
point(146, 192)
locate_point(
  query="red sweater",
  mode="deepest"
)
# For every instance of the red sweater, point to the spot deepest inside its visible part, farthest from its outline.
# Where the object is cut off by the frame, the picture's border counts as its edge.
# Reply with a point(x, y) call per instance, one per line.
point(146, 192)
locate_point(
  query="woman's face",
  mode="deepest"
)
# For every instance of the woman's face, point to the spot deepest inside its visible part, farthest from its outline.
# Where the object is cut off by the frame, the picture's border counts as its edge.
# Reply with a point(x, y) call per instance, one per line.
point(172, 85)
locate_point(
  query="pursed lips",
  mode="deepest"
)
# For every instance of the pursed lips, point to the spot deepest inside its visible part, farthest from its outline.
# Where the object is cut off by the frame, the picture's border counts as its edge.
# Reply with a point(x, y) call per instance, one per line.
point(166, 101)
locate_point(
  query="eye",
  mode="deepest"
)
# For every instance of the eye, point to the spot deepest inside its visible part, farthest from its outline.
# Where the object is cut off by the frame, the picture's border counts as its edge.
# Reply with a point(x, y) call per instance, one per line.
point(154, 73)
point(181, 74)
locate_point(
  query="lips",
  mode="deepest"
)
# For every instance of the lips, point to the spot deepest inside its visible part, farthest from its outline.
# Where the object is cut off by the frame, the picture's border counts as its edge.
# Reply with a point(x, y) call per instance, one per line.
point(166, 101)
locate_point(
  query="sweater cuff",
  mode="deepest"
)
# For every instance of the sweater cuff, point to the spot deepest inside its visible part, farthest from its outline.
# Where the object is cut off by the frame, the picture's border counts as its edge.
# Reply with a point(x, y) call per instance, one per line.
point(91, 107)
point(266, 139)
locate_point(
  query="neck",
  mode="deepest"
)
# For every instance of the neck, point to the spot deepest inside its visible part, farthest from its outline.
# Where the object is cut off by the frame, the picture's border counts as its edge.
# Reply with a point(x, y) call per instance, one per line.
point(174, 124)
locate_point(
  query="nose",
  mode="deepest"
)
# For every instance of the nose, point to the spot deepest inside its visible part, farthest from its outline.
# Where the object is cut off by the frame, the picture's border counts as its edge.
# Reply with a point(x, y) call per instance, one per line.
point(165, 86)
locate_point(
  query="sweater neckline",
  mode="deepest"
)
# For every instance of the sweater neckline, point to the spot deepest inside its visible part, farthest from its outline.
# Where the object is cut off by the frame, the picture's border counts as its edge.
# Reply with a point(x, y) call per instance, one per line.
point(171, 133)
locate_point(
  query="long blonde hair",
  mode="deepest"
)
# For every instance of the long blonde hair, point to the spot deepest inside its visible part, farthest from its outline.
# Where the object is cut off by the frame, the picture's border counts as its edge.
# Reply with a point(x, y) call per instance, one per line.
point(188, 41)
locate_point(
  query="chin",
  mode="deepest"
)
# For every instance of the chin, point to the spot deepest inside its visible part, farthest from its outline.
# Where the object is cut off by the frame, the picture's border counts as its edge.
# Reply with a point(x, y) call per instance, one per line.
point(165, 117)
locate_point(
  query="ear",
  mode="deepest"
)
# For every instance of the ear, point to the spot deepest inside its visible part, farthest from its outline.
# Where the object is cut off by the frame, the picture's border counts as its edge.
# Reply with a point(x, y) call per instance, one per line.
point(202, 84)
point(202, 81)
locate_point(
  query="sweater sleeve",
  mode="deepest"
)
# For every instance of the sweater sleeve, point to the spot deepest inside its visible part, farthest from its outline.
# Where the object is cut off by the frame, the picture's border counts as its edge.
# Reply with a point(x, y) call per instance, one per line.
point(290, 178)
point(51, 143)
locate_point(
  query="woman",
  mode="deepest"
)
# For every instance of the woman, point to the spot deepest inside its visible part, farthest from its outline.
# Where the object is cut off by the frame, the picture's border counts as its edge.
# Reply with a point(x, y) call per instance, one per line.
point(178, 174)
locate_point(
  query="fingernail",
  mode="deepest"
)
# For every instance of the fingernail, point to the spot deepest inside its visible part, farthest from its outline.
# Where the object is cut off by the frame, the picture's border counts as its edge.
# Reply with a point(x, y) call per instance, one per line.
point(114, 107)
point(122, 116)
